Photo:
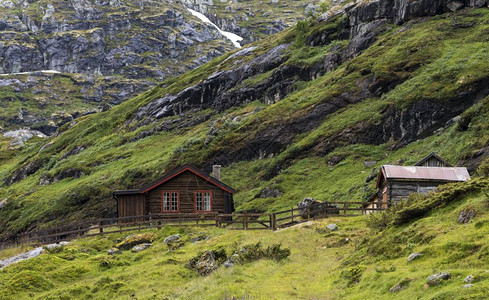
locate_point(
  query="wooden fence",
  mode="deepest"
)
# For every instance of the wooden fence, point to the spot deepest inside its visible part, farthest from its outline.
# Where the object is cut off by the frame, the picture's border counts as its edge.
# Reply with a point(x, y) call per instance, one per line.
point(244, 220)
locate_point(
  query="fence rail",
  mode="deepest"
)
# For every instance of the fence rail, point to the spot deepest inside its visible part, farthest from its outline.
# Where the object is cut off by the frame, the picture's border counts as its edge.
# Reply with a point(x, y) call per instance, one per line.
point(235, 221)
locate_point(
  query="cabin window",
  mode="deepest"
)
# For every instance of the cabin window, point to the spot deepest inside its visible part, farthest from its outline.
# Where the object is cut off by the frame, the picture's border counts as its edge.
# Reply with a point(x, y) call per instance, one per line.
point(170, 201)
point(203, 200)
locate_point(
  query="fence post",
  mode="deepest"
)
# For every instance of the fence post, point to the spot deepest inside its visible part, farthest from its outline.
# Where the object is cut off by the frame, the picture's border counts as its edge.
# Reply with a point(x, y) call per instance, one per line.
point(308, 212)
point(344, 208)
point(101, 229)
point(292, 210)
point(245, 220)
point(274, 221)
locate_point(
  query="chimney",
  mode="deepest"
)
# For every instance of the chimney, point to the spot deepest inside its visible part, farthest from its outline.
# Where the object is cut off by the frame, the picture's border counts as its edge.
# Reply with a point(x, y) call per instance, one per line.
point(216, 172)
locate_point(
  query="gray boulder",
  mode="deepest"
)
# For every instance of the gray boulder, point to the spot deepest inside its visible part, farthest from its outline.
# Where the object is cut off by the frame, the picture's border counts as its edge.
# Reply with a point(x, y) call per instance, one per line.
point(136, 239)
point(435, 279)
point(466, 215)
point(270, 193)
point(199, 238)
point(172, 238)
point(332, 227)
point(3, 203)
point(228, 264)
point(414, 256)
point(313, 207)
point(18, 137)
point(141, 247)
point(478, 3)
point(467, 286)
point(113, 251)
point(469, 279)
point(455, 5)
point(231, 261)
point(207, 263)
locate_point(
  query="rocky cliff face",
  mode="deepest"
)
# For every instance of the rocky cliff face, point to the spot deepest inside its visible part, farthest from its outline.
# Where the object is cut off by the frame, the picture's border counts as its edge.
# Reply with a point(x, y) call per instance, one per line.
point(147, 39)
point(254, 20)
point(116, 49)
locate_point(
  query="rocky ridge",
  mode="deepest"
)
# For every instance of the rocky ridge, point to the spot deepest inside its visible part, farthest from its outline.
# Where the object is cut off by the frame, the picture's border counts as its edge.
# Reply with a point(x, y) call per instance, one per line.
point(358, 25)
point(113, 49)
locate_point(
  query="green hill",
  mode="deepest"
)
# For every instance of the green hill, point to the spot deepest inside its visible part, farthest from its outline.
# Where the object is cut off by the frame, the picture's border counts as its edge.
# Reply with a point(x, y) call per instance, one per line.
point(311, 111)
point(357, 261)
point(309, 105)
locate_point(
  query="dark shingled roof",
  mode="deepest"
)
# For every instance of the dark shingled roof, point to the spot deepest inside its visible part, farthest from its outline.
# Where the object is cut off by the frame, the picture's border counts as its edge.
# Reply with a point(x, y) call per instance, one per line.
point(173, 174)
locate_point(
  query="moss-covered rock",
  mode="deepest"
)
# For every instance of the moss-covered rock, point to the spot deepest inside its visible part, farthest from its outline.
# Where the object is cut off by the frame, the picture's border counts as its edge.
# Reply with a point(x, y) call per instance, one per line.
point(136, 239)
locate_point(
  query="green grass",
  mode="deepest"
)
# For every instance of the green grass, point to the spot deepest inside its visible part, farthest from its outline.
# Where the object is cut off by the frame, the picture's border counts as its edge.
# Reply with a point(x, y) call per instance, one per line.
point(321, 264)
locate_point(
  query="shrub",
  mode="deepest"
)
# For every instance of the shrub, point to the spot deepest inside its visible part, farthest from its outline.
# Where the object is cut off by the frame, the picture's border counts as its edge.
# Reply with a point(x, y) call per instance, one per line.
point(352, 275)
point(483, 169)
point(252, 252)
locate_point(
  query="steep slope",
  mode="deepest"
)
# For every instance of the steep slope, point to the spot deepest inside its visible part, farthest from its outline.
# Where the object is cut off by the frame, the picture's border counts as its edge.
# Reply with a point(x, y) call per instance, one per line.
point(354, 262)
point(312, 105)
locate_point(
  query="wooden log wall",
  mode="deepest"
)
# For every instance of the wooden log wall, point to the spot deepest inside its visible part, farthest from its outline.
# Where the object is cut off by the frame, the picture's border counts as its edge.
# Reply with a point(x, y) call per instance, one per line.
point(186, 184)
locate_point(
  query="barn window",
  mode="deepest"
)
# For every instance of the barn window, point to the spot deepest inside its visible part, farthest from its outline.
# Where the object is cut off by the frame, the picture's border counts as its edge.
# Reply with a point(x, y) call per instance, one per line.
point(203, 201)
point(170, 202)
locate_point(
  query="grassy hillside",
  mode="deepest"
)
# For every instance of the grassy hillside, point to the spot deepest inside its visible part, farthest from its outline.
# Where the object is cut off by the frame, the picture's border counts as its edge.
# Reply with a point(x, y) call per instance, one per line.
point(419, 68)
point(364, 257)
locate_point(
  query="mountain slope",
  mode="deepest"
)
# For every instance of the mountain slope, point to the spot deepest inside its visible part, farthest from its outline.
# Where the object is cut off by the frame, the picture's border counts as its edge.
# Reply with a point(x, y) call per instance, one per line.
point(107, 51)
point(354, 262)
point(309, 105)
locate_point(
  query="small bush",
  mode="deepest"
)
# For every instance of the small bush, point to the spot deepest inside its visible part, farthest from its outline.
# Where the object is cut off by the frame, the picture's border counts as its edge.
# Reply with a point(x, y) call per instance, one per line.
point(483, 169)
point(385, 270)
point(252, 252)
point(353, 274)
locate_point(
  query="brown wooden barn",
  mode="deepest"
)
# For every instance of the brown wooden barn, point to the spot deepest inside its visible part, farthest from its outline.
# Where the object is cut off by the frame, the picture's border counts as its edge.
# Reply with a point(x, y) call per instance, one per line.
point(183, 190)
point(396, 183)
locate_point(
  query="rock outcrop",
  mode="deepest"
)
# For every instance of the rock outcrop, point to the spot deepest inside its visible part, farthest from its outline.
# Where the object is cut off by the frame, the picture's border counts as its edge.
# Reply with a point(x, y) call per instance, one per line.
point(103, 38)
point(111, 50)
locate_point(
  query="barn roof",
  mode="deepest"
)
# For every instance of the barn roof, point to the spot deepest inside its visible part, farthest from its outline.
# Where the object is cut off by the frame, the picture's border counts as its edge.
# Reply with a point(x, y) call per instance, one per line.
point(424, 173)
point(433, 155)
point(174, 173)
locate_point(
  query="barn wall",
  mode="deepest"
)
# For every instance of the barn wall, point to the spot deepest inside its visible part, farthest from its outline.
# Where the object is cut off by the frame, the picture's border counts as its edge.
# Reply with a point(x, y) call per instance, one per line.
point(400, 190)
point(131, 205)
point(434, 162)
point(186, 184)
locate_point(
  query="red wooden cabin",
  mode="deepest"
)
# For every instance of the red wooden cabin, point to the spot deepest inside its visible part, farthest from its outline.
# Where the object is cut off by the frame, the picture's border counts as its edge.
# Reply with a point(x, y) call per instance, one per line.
point(183, 190)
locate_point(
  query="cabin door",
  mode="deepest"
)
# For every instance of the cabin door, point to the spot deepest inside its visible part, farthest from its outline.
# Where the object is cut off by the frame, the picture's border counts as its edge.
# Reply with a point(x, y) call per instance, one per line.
point(228, 204)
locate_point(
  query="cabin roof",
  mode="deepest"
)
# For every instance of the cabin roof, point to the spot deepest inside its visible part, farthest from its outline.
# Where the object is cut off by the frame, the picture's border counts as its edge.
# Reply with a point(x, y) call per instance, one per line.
point(174, 173)
point(433, 155)
point(423, 173)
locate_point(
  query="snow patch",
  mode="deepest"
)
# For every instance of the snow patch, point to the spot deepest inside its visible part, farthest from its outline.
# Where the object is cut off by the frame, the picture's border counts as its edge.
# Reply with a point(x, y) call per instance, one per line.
point(32, 72)
point(234, 38)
